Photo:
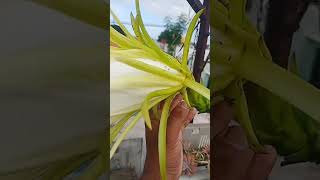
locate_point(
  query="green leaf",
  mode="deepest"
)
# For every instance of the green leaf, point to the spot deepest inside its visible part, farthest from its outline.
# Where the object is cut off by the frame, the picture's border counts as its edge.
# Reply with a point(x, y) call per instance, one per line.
point(115, 130)
point(146, 104)
point(162, 142)
point(235, 91)
point(149, 41)
point(132, 124)
point(123, 41)
point(151, 69)
point(237, 11)
point(187, 42)
point(199, 88)
point(123, 135)
point(198, 101)
point(93, 12)
point(124, 29)
point(135, 27)
point(184, 93)
point(135, 53)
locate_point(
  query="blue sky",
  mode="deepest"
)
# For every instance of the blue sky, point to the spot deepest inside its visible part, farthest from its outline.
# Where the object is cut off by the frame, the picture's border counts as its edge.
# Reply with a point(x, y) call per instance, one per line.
point(153, 12)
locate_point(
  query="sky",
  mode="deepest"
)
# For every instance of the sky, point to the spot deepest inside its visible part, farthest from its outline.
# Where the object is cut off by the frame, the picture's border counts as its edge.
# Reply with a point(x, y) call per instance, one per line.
point(153, 12)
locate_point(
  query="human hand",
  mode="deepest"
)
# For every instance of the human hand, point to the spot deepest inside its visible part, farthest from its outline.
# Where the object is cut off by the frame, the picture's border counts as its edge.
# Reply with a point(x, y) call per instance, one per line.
point(232, 157)
point(179, 118)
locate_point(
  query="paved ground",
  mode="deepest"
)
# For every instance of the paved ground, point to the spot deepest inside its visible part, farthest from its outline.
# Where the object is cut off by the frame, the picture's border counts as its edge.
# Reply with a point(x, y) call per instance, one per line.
point(200, 175)
point(303, 171)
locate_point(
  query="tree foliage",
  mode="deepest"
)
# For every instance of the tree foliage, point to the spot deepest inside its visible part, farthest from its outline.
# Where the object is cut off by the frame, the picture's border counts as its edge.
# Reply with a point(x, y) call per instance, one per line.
point(173, 33)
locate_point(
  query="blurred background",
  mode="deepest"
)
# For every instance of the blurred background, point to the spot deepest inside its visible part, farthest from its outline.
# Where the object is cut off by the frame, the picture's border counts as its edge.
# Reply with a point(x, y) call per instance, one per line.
point(52, 88)
point(291, 29)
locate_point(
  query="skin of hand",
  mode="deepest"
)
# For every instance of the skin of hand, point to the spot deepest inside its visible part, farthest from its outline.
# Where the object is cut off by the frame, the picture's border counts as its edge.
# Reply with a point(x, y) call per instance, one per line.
point(180, 116)
point(232, 158)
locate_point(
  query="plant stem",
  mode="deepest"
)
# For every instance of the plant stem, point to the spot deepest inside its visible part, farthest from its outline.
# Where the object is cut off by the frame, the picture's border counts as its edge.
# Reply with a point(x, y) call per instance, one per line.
point(199, 88)
point(281, 83)
point(236, 92)
point(202, 42)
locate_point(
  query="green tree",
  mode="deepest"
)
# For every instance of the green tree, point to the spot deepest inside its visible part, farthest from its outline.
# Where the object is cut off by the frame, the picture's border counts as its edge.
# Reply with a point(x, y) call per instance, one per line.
point(173, 33)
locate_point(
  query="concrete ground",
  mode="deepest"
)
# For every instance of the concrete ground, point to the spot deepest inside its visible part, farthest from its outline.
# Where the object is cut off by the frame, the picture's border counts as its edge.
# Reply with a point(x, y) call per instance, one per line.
point(200, 175)
point(127, 174)
point(302, 171)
